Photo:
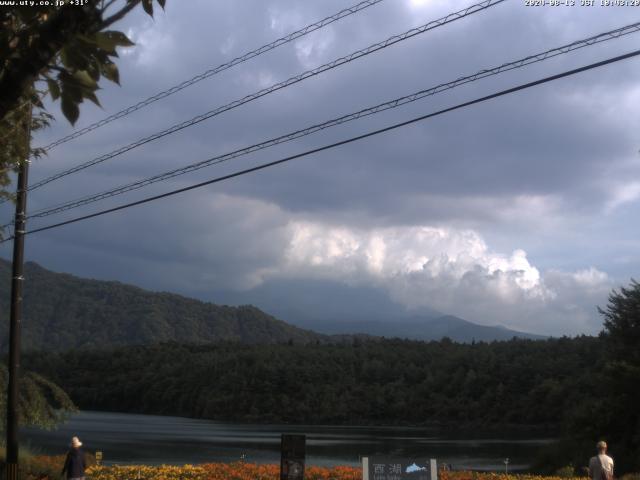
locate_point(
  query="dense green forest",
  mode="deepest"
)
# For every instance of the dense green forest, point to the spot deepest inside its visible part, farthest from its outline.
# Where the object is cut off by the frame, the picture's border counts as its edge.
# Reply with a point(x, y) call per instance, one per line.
point(62, 311)
point(521, 383)
point(385, 382)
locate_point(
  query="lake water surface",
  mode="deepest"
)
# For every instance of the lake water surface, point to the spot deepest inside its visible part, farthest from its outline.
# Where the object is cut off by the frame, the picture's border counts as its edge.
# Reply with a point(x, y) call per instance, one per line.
point(148, 439)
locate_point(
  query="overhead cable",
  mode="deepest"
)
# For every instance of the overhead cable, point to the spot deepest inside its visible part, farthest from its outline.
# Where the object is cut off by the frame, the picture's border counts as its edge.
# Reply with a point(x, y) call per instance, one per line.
point(340, 143)
point(220, 68)
point(278, 86)
point(391, 104)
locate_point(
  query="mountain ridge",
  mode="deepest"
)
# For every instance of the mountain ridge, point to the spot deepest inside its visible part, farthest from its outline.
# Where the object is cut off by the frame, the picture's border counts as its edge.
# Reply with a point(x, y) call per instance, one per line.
point(63, 311)
point(424, 328)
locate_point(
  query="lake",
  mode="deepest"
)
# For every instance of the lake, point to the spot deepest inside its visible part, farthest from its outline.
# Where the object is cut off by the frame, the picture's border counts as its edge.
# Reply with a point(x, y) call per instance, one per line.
point(149, 439)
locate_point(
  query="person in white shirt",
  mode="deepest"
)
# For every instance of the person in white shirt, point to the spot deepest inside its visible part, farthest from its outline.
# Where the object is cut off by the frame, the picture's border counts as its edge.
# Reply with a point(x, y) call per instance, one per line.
point(601, 466)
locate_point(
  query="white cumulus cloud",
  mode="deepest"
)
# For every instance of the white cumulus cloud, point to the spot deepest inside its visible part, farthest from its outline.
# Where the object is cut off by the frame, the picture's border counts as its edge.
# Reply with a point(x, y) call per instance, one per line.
point(450, 269)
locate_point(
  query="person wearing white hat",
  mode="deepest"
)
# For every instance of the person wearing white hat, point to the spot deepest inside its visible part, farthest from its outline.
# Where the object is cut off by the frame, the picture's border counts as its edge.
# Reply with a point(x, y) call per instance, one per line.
point(75, 462)
point(601, 466)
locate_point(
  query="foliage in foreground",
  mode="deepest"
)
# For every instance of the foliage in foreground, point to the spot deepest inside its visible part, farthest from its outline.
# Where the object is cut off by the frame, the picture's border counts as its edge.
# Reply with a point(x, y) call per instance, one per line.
point(58, 50)
point(42, 403)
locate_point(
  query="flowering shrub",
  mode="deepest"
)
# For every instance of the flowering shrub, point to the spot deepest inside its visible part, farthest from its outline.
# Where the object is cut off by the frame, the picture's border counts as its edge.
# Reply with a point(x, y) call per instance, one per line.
point(44, 467)
point(218, 471)
point(143, 472)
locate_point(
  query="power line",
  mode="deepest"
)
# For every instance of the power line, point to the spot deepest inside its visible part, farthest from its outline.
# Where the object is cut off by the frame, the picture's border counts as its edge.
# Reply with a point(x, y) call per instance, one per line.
point(220, 68)
point(278, 86)
point(342, 142)
point(539, 57)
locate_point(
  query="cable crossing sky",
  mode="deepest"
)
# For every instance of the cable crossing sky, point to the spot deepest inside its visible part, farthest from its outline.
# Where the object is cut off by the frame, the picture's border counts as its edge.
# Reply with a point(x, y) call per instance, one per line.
point(220, 68)
point(531, 59)
point(451, 17)
point(263, 166)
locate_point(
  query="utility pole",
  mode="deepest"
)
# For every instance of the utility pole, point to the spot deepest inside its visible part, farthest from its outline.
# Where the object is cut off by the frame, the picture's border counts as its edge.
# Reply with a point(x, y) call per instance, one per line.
point(15, 319)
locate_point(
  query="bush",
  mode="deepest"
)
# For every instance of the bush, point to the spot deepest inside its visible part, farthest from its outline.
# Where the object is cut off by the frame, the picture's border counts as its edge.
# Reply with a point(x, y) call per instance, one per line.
point(41, 467)
point(49, 467)
point(565, 472)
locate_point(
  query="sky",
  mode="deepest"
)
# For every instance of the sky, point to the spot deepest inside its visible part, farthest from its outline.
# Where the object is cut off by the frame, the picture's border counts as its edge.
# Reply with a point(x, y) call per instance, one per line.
point(520, 211)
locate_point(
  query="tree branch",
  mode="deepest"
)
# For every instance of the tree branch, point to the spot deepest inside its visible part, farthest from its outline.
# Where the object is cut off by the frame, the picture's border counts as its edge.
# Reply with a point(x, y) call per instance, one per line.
point(105, 7)
point(120, 14)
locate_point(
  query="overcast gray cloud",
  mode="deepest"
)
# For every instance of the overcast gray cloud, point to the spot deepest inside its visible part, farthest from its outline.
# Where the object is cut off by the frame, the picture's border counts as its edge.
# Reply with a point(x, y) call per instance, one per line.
point(518, 211)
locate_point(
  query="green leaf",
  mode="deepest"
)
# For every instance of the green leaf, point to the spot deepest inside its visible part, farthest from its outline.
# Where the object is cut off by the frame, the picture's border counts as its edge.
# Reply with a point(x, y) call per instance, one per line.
point(73, 91)
point(70, 109)
point(84, 79)
point(101, 57)
point(148, 6)
point(111, 39)
point(110, 71)
point(92, 96)
point(64, 57)
point(73, 58)
point(94, 69)
point(71, 88)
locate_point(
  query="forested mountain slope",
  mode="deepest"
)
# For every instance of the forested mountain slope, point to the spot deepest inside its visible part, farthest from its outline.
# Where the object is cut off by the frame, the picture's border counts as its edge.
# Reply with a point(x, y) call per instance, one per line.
point(62, 312)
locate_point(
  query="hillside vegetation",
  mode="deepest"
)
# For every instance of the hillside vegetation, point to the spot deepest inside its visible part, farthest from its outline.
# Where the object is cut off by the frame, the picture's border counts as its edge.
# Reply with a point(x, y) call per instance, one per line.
point(64, 312)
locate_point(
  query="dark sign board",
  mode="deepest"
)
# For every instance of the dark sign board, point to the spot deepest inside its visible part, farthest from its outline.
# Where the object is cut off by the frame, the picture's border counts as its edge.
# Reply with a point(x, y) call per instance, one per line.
point(292, 453)
point(387, 468)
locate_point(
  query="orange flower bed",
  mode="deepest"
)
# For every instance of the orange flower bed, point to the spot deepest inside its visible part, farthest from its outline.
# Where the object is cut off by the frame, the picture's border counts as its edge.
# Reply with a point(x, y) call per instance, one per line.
point(252, 471)
point(51, 466)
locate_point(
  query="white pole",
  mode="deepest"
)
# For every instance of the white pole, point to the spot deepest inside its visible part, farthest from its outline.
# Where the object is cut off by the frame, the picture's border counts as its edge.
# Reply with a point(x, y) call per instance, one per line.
point(365, 468)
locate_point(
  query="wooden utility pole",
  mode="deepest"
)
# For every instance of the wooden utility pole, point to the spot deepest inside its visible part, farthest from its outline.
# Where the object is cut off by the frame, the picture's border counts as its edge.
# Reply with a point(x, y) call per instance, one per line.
point(17, 281)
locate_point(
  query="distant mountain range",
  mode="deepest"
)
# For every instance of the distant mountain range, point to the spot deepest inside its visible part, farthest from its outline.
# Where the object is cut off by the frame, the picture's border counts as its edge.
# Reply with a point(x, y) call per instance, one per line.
point(336, 308)
point(63, 312)
point(422, 328)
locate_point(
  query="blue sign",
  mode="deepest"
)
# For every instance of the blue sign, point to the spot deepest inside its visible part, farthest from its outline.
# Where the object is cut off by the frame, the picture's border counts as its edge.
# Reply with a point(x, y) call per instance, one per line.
point(386, 468)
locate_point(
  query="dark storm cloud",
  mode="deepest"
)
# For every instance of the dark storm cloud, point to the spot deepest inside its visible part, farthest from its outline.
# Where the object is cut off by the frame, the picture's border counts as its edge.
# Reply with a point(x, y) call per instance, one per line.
point(533, 142)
